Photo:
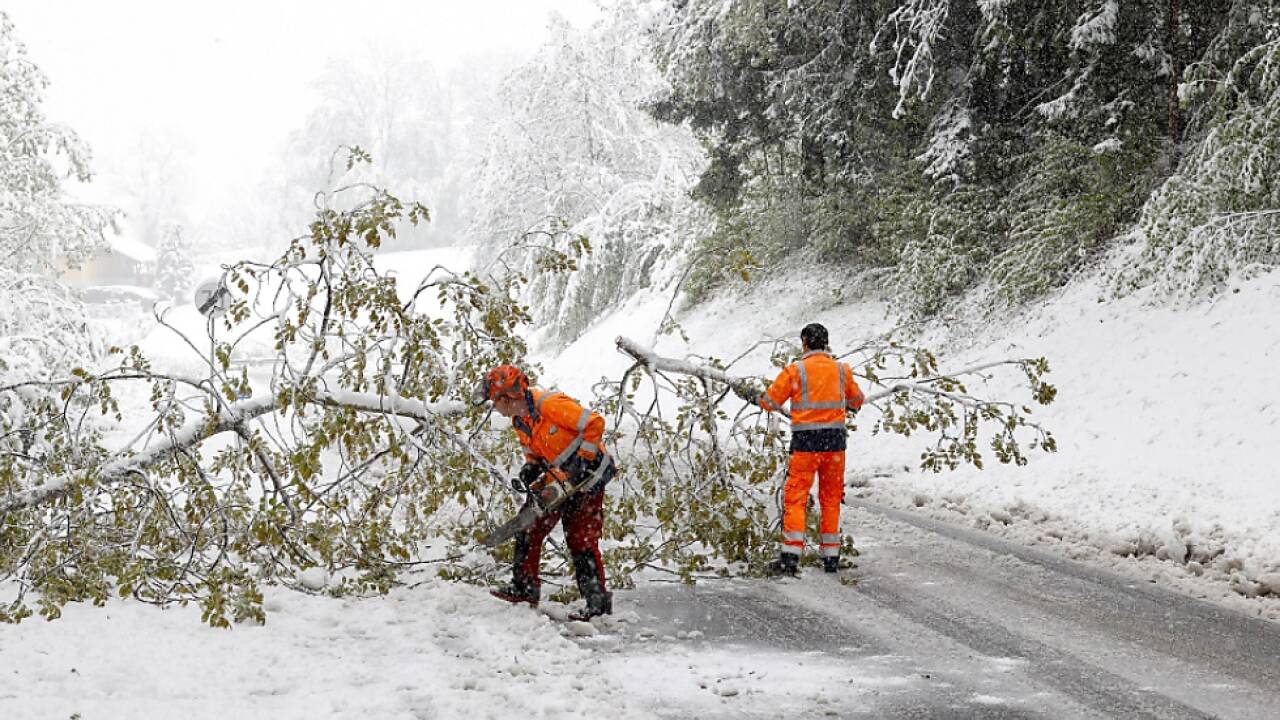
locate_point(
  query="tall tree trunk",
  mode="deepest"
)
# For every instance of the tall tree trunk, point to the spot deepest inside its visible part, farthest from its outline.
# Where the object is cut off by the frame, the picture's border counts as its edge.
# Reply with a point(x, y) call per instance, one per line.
point(1173, 30)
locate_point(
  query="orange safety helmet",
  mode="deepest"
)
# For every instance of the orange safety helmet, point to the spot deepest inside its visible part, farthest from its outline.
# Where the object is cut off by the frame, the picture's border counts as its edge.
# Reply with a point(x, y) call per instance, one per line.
point(502, 380)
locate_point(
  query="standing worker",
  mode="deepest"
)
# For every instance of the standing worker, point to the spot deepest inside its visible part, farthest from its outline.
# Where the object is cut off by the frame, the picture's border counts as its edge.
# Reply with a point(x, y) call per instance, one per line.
point(820, 389)
point(563, 443)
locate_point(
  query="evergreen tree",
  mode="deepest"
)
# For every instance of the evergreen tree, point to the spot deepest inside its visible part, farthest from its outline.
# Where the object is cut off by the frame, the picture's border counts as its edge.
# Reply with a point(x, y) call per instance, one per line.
point(1219, 215)
point(950, 141)
point(173, 263)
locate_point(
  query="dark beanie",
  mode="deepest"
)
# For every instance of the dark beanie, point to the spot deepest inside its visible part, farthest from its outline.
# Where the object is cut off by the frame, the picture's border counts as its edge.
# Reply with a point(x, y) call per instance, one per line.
point(814, 336)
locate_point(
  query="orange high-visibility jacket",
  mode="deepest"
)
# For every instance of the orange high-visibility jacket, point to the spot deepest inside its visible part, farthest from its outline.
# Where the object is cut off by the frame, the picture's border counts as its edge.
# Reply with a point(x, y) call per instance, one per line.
point(819, 388)
point(558, 428)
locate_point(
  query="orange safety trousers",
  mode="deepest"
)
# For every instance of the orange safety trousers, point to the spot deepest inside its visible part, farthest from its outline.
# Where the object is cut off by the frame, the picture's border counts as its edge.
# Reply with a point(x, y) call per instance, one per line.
point(829, 467)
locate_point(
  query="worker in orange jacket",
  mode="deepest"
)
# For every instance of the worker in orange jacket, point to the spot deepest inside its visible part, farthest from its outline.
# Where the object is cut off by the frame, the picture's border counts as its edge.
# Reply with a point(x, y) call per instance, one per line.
point(563, 443)
point(821, 390)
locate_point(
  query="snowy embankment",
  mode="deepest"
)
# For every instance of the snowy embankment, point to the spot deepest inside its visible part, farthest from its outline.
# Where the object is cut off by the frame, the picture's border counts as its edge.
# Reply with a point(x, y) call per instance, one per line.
point(1167, 420)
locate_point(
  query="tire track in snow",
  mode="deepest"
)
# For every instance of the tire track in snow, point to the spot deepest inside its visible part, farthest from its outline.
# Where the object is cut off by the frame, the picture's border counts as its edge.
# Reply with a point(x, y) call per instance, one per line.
point(1136, 643)
point(740, 612)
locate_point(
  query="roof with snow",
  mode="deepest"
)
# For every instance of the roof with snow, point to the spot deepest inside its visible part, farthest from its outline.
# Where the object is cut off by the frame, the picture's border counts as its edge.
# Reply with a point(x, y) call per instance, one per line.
point(131, 248)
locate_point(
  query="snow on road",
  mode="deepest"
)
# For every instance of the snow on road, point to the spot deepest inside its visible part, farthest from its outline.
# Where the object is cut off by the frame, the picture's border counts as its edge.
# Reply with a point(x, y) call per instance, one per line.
point(940, 621)
point(1103, 642)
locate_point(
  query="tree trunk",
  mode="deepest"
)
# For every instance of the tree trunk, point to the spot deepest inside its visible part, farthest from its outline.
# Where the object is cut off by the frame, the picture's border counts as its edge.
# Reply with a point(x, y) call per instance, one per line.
point(1173, 30)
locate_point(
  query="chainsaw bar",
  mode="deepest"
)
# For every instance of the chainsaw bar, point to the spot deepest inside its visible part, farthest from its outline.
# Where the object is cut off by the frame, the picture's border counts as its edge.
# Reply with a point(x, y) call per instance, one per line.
point(522, 520)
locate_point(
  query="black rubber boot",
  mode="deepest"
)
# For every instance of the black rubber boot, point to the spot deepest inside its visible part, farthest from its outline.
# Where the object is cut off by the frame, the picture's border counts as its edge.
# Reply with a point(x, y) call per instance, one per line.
point(598, 600)
point(830, 564)
point(523, 588)
point(786, 564)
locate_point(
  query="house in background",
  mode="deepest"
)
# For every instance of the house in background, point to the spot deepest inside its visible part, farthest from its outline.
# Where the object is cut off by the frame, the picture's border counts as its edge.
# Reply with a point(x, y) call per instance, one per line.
point(123, 272)
point(123, 262)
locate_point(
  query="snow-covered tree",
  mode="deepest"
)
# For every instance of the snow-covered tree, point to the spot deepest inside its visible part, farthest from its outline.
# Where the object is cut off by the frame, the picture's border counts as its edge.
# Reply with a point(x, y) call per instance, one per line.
point(156, 177)
point(701, 485)
point(174, 267)
point(951, 143)
point(1218, 216)
point(573, 153)
point(341, 456)
point(42, 230)
point(410, 117)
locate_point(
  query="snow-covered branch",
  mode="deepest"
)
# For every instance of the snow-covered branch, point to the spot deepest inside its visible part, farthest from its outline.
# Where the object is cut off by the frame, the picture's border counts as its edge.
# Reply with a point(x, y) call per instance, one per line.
point(711, 484)
point(927, 401)
point(229, 419)
point(651, 359)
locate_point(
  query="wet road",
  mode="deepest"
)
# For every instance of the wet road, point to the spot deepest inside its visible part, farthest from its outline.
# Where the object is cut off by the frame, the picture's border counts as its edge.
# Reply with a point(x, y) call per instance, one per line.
point(942, 622)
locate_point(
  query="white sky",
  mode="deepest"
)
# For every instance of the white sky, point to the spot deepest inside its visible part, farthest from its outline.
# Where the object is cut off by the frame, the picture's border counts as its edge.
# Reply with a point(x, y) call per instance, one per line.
point(225, 82)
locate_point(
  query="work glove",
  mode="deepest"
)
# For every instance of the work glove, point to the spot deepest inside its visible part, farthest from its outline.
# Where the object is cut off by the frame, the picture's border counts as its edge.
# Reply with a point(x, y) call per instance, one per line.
point(748, 393)
point(574, 468)
point(529, 475)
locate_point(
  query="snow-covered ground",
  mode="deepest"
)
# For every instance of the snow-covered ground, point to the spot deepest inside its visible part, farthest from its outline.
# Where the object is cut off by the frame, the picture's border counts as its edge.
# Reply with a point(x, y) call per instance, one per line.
point(440, 650)
point(433, 649)
point(1167, 420)
point(1167, 427)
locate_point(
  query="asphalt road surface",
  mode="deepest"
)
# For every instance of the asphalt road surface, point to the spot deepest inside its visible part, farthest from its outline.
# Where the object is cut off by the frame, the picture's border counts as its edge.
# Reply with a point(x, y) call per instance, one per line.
point(943, 622)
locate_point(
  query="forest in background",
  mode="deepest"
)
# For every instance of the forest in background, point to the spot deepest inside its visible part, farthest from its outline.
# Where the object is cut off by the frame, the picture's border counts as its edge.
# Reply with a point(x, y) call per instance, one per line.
point(936, 148)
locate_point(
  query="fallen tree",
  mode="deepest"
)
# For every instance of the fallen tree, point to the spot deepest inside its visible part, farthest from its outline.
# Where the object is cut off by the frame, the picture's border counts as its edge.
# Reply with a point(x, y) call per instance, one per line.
point(234, 417)
point(342, 455)
point(924, 398)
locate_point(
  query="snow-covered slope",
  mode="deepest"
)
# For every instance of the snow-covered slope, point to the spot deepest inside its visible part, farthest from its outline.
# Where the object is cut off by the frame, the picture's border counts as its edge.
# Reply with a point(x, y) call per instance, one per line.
point(1168, 420)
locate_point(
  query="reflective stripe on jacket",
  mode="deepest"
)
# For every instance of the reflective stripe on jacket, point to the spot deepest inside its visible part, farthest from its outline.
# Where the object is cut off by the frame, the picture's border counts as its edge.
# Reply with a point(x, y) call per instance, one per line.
point(819, 389)
point(557, 428)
